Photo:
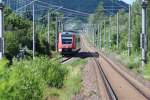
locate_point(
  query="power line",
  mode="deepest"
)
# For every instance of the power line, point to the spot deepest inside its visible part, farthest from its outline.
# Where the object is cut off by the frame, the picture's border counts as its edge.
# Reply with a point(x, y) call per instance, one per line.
point(73, 13)
point(50, 13)
point(63, 8)
point(121, 5)
point(25, 5)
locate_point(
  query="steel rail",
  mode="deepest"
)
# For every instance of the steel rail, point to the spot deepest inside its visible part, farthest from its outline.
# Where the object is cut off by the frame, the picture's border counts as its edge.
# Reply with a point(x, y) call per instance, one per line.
point(111, 93)
point(126, 78)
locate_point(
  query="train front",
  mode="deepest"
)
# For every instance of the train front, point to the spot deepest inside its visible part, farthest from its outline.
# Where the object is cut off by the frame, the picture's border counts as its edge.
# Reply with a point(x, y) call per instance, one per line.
point(66, 42)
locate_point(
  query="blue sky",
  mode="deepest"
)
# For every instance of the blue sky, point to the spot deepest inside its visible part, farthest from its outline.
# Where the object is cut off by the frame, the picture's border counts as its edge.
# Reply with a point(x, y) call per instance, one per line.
point(129, 1)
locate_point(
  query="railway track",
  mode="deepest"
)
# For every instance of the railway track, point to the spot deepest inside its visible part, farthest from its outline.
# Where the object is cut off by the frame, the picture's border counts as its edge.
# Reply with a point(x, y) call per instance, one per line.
point(100, 72)
point(117, 85)
point(69, 57)
point(65, 59)
point(107, 86)
point(112, 95)
point(145, 92)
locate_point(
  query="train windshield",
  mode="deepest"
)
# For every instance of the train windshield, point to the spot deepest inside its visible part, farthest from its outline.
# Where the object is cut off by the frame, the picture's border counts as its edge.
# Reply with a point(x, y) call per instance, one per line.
point(66, 39)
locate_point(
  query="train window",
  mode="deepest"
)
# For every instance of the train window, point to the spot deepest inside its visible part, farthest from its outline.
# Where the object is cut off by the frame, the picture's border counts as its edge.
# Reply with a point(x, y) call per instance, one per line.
point(67, 39)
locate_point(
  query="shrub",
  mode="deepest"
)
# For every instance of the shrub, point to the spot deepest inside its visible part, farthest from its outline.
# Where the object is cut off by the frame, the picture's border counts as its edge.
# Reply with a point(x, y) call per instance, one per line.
point(29, 79)
point(3, 64)
point(147, 71)
point(56, 75)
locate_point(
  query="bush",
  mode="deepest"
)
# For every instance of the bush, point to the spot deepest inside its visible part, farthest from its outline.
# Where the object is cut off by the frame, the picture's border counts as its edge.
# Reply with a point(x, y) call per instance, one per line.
point(147, 71)
point(3, 64)
point(56, 75)
point(29, 79)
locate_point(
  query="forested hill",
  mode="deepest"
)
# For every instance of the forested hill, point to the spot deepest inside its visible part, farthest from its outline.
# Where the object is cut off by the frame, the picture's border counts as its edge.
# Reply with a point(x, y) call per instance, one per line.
point(87, 6)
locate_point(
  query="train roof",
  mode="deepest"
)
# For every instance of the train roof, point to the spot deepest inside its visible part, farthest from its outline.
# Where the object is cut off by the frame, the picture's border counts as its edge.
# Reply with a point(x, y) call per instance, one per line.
point(68, 32)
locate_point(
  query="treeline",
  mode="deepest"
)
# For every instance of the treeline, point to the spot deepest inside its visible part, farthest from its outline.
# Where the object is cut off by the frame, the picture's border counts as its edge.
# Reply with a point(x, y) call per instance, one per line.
point(28, 79)
point(18, 33)
point(111, 29)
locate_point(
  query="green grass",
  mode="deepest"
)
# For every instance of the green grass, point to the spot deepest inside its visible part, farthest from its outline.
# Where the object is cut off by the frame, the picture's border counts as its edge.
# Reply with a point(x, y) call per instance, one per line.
point(72, 82)
point(134, 63)
point(147, 71)
point(3, 64)
point(28, 79)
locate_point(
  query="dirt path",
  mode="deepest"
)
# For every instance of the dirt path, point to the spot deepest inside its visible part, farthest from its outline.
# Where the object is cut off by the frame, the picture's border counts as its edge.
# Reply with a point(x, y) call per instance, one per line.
point(90, 89)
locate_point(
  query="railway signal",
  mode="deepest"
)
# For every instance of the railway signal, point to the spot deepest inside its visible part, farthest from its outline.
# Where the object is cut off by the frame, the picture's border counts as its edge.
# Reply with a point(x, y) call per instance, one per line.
point(1, 30)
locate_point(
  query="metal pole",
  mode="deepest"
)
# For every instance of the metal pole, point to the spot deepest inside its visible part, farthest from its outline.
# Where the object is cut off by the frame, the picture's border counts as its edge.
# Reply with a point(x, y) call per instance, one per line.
point(100, 32)
point(144, 32)
point(56, 35)
point(59, 25)
point(109, 32)
point(96, 35)
point(117, 30)
point(129, 33)
point(3, 38)
point(100, 36)
point(62, 26)
point(104, 33)
point(1, 30)
point(48, 33)
point(33, 29)
point(93, 35)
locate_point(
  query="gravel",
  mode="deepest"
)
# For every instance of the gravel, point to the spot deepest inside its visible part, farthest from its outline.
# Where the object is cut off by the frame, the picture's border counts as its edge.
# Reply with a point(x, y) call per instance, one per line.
point(90, 89)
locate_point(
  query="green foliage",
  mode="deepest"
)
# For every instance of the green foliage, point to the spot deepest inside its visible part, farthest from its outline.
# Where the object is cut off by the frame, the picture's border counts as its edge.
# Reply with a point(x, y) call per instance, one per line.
point(3, 64)
point(72, 83)
point(56, 75)
point(98, 15)
point(78, 62)
point(3, 70)
point(136, 29)
point(29, 79)
point(147, 71)
point(18, 33)
point(98, 18)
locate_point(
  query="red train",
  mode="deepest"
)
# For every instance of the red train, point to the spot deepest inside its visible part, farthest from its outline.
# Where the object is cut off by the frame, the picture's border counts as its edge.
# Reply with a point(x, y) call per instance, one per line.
point(68, 42)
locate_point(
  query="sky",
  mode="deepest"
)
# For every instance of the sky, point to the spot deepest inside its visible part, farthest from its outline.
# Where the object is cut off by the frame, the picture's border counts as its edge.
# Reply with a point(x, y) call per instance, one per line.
point(129, 1)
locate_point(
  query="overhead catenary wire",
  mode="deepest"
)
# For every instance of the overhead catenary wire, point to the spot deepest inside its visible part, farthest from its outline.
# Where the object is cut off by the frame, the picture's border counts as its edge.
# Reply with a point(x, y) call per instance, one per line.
point(63, 7)
point(50, 13)
point(25, 5)
point(121, 5)
point(69, 10)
